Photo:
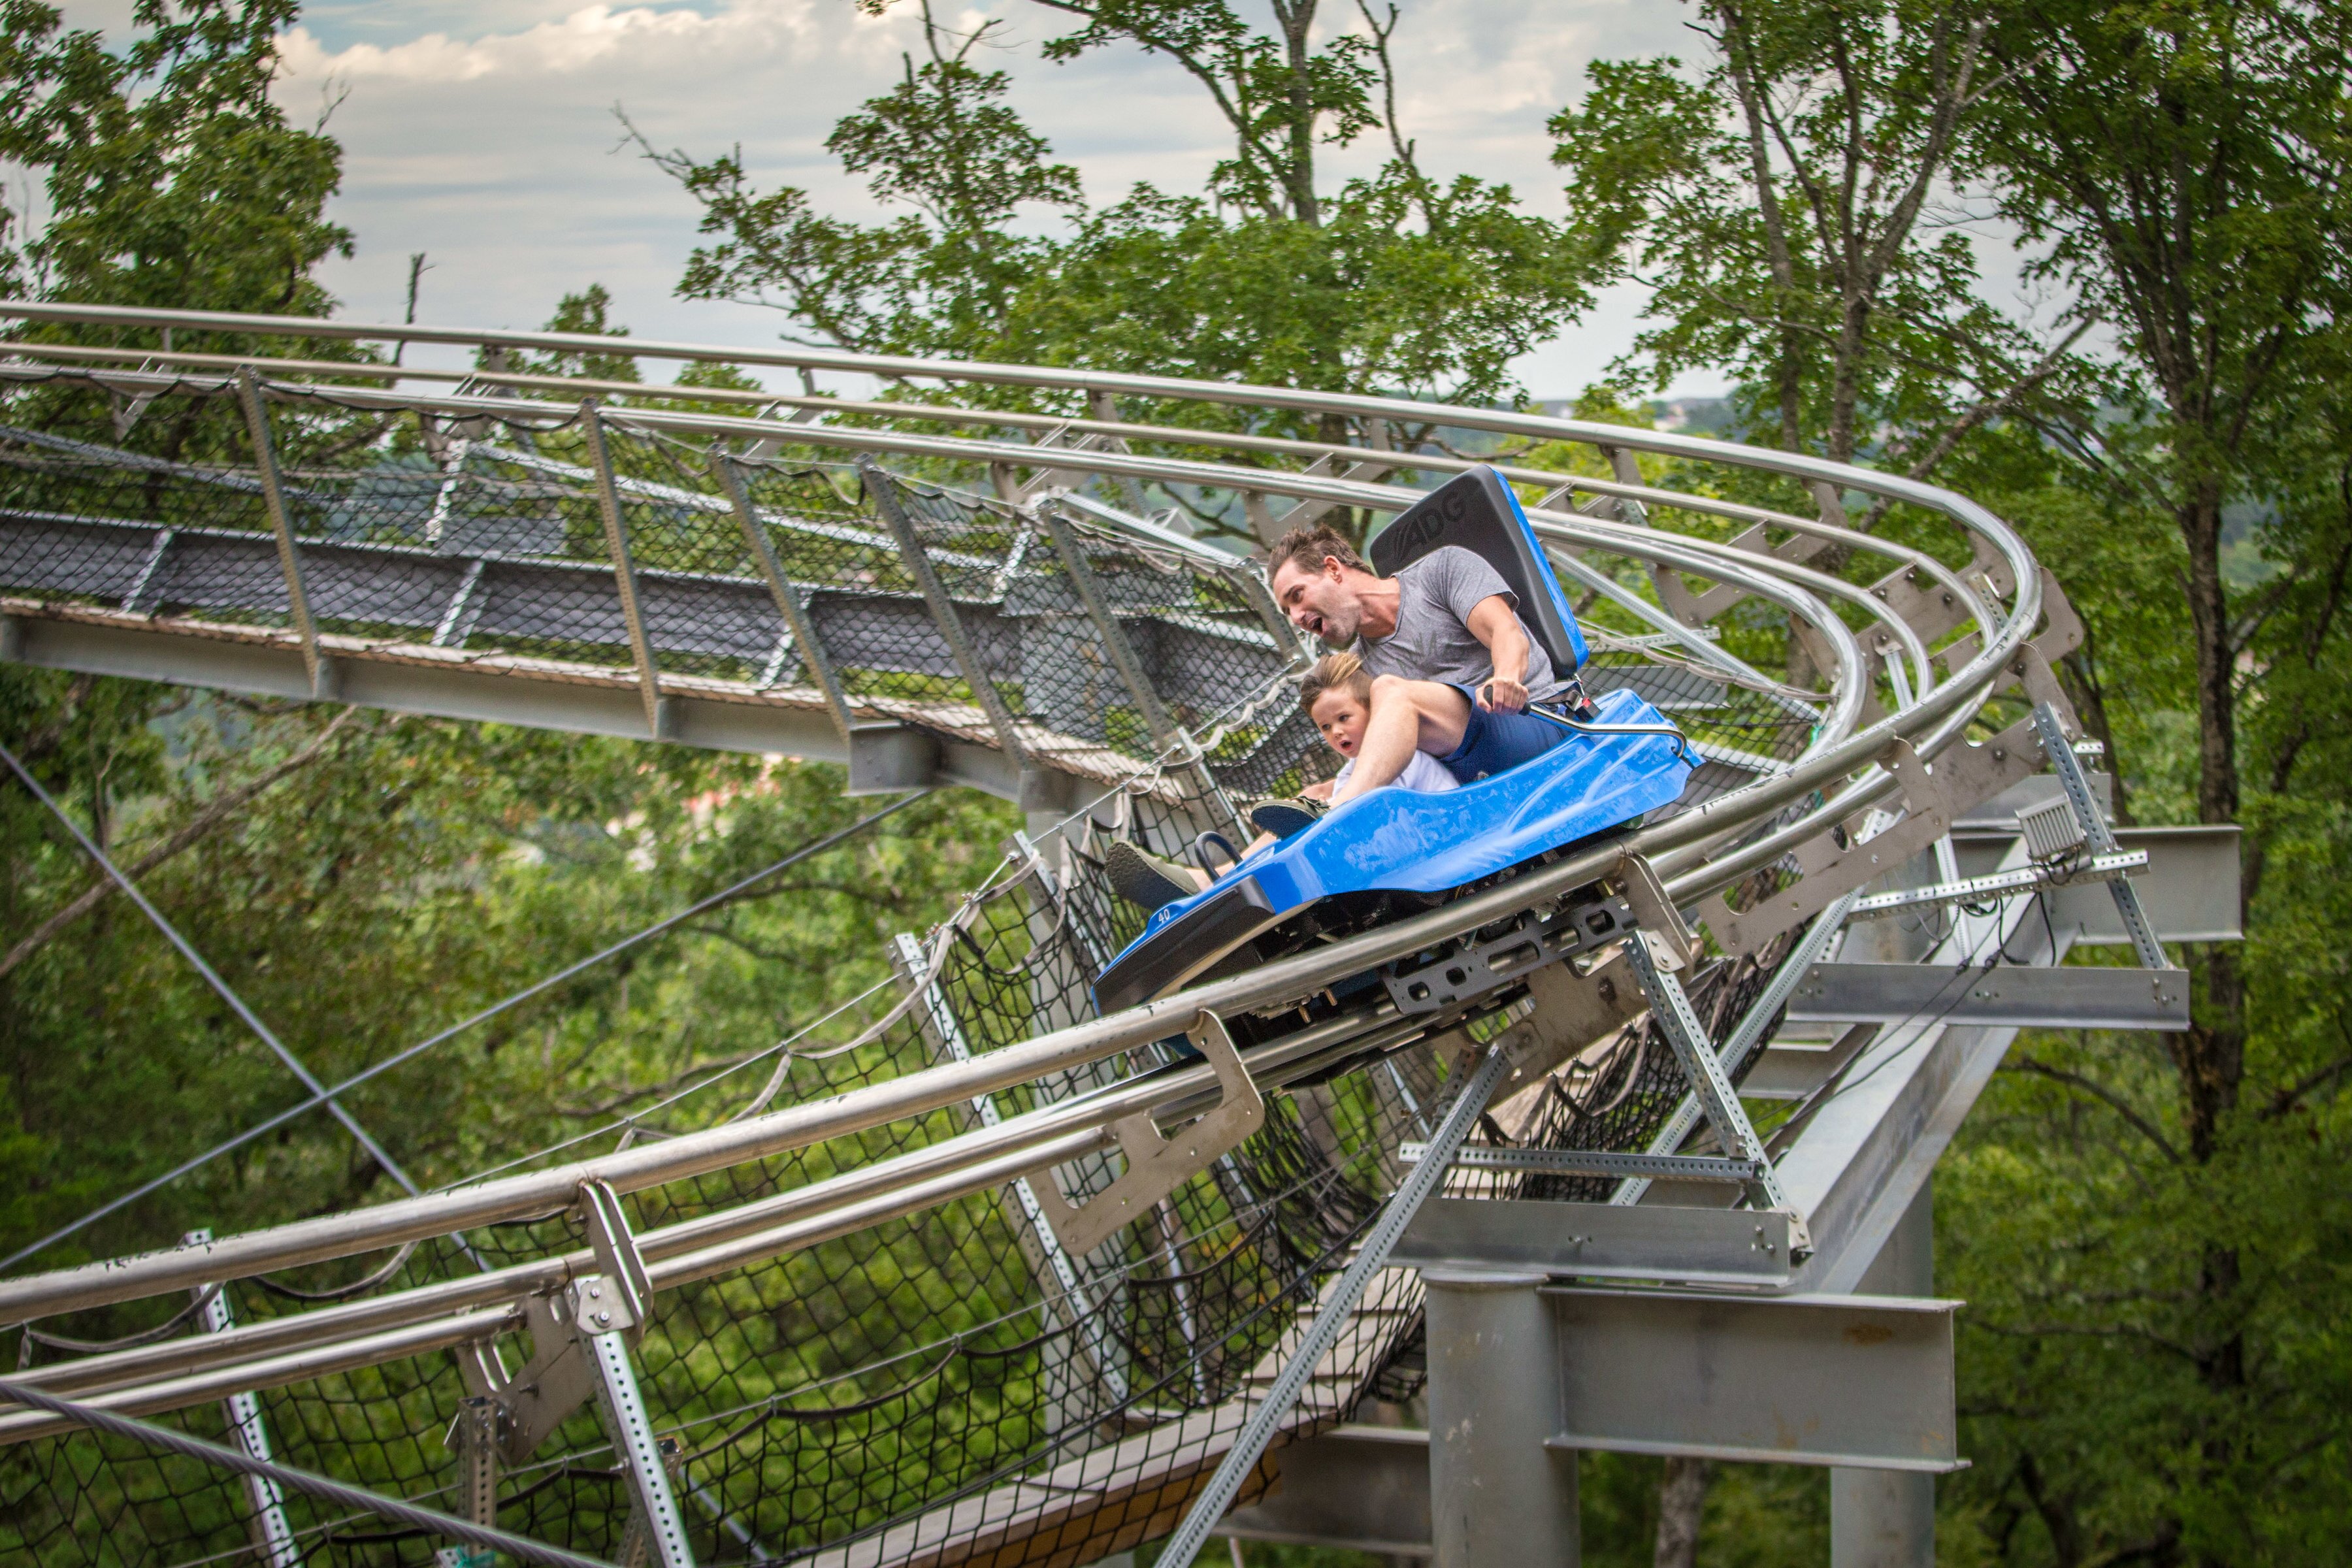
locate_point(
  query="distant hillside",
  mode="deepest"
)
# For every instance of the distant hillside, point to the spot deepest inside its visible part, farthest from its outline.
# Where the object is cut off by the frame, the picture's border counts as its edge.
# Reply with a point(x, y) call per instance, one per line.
point(1696, 415)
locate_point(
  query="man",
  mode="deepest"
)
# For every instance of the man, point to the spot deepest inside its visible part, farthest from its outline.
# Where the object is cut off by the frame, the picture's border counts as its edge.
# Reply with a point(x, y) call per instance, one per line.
point(1454, 668)
point(1453, 671)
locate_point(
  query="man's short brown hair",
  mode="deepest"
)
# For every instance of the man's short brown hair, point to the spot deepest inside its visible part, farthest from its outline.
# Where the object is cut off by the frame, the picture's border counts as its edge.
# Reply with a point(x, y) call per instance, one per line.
point(1307, 547)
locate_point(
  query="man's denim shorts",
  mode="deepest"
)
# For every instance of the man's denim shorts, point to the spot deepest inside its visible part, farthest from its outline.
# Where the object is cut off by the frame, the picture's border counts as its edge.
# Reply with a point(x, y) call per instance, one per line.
point(1494, 741)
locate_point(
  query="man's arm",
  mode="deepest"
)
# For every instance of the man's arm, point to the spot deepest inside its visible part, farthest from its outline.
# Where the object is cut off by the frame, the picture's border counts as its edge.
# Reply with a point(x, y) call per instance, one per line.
point(1493, 622)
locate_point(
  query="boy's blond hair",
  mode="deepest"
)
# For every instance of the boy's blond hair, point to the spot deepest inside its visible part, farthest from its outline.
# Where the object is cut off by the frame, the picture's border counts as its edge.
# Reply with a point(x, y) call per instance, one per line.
point(1335, 672)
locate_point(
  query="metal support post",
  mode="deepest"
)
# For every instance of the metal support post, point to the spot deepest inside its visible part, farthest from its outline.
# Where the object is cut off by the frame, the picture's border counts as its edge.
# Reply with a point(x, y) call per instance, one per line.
point(1880, 1517)
point(474, 1436)
point(1165, 733)
point(883, 489)
point(281, 523)
point(1670, 1003)
point(1498, 1497)
point(595, 1303)
point(608, 1312)
point(730, 475)
point(1067, 545)
point(624, 570)
point(1745, 1035)
point(1338, 1305)
point(273, 1538)
point(1104, 408)
point(2100, 835)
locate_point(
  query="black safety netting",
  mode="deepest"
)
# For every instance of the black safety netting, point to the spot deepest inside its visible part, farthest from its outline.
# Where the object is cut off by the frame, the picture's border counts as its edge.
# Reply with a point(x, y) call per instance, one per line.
point(942, 1383)
point(667, 568)
point(856, 1395)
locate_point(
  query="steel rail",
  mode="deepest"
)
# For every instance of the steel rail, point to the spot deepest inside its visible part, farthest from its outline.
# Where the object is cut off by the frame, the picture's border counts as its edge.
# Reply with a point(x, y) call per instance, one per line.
point(929, 1089)
point(251, 1354)
point(904, 367)
point(1680, 550)
point(1303, 487)
point(576, 388)
point(1680, 844)
point(1797, 464)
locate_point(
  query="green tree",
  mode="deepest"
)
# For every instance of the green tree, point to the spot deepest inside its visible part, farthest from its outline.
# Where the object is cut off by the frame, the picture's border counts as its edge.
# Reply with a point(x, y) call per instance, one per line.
point(2180, 172)
point(1395, 283)
point(172, 177)
point(1783, 205)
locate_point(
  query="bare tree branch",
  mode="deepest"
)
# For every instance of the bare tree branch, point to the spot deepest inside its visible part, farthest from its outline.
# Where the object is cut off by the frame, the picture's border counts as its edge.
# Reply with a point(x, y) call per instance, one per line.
point(215, 812)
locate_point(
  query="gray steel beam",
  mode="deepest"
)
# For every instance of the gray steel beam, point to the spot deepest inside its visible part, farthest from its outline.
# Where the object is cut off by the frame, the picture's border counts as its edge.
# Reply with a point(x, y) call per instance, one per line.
point(1880, 1517)
point(1710, 1246)
point(2011, 995)
point(1355, 1488)
point(2190, 891)
point(1807, 1380)
point(1869, 1147)
point(1500, 1494)
point(473, 691)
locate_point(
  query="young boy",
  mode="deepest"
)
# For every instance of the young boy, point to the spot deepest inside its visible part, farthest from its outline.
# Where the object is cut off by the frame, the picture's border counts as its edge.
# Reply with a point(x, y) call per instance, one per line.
point(1336, 696)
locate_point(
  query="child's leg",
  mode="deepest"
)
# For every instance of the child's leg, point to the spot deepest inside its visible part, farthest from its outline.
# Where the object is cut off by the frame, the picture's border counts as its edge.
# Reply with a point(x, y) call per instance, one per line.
point(1408, 716)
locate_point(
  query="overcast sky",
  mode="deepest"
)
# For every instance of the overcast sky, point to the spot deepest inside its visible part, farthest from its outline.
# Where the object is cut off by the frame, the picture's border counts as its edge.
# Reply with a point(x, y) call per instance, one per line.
point(482, 132)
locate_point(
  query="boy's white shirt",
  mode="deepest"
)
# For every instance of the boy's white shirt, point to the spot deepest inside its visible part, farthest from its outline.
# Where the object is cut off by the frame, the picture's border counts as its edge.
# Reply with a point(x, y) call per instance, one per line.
point(1421, 774)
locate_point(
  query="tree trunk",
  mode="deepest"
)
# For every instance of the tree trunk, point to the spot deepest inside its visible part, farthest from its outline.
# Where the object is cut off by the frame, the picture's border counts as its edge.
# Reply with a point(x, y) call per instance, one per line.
point(2211, 1057)
point(1682, 1500)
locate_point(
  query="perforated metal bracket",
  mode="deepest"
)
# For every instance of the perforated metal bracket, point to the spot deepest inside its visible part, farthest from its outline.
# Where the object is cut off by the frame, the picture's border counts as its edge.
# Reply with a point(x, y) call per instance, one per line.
point(1719, 1102)
point(1156, 1165)
point(551, 1384)
point(474, 1439)
point(1932, 798)
point(617, 1261)
point(655, 1518)
point(1675, 944)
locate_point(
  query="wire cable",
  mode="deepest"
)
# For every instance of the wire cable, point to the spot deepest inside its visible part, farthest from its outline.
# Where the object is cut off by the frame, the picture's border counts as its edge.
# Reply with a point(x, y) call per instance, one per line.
point(212, 978)
point(272, 1123)
point(180, 1443)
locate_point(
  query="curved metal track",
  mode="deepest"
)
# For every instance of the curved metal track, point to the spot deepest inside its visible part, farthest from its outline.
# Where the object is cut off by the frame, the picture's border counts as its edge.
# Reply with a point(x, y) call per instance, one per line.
point(1908, 657)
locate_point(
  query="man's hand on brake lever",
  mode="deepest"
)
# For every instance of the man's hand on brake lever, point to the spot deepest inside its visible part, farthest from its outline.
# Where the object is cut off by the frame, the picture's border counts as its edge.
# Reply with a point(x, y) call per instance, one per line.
point(1499, 695)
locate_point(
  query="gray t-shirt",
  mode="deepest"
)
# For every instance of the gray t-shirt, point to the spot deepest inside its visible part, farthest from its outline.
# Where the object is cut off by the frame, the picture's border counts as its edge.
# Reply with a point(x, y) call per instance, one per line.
point(1433, 640)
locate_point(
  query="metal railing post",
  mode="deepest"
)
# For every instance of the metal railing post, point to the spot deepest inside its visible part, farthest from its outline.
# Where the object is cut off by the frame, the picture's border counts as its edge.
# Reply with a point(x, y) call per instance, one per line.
point(1166, 736)
point(281, 523)
point(273, 1538)
point(883, 489)
point(624, 570)
point(608, 1311)
point(789, 604)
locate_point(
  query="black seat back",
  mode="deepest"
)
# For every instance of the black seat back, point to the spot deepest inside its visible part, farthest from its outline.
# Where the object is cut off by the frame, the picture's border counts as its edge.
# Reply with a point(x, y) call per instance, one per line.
point(1477, 511)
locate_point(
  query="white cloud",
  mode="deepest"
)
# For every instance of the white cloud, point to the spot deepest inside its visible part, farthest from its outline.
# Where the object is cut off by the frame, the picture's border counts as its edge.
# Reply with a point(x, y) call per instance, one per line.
point(484, 134)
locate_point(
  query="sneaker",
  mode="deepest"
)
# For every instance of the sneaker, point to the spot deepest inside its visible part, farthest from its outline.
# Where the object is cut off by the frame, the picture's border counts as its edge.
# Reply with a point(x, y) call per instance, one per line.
point(1283, 817)
point(1146, 880)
